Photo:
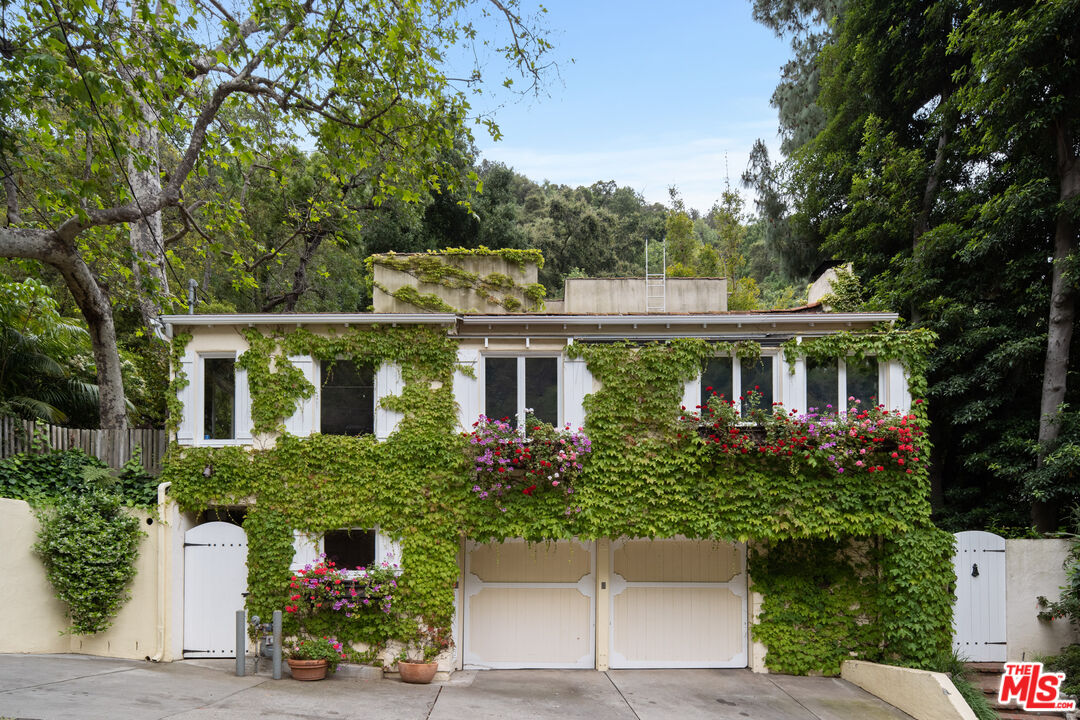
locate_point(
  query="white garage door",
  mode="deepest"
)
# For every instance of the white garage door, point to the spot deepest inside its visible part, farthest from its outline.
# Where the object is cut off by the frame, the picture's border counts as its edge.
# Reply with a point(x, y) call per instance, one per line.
point(678, 603)
point(529, 605)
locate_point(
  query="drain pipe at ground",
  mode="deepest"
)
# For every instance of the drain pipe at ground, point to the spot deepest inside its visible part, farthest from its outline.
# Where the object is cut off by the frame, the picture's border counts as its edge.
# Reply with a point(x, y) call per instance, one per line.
point(162, 490)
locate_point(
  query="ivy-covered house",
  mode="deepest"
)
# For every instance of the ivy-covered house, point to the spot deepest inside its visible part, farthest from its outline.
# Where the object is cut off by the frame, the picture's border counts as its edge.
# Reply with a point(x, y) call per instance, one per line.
point(562, 487)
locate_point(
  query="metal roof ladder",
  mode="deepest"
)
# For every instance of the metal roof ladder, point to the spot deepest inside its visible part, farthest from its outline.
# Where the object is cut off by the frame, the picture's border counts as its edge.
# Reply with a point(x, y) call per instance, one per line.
point(656, 283)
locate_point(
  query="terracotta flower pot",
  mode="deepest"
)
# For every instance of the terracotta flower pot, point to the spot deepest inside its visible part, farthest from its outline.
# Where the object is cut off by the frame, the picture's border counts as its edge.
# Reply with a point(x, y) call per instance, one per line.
point(418, 673)
point(308, 669)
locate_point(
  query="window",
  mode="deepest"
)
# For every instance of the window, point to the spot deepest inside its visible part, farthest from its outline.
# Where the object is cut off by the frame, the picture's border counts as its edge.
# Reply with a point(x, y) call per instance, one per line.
point(219, 398)
point(346, 398)
point(512, 384)
point(350, 549)
point(731, 378)
point(822, 386)
point(830, 383)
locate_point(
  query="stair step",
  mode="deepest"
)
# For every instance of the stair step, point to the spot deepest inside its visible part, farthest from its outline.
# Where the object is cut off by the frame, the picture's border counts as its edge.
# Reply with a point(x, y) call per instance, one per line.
point(1018, 714)
point(986, 667)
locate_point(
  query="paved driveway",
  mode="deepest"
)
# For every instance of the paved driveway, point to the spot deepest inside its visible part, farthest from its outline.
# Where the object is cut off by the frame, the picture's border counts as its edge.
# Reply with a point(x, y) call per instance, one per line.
point(85, 688)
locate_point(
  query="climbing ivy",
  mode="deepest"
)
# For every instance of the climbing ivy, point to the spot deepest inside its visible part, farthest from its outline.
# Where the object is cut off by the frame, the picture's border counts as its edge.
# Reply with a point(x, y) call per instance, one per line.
point(407, 486)
point(848, 564)
point(179, 381)
point(432, 268)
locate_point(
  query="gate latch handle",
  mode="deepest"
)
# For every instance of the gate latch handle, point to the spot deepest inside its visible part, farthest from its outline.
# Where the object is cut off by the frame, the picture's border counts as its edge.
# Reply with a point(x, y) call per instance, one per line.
point(974, 569)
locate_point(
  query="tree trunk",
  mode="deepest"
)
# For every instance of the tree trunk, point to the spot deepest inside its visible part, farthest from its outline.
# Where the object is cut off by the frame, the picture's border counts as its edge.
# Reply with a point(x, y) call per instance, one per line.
point(46, 246)
point(147, 240)
point(1062, 317)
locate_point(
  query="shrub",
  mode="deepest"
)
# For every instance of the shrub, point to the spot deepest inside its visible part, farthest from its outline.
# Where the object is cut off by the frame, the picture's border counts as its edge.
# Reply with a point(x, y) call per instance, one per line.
point(88, 545)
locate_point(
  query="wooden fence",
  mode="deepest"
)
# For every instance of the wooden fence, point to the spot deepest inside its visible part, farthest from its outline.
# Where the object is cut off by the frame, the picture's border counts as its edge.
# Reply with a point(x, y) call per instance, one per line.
point(113, 447)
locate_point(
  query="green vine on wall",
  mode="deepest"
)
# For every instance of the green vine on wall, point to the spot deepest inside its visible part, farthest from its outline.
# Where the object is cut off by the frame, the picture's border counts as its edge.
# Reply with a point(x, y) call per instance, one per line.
point(432, 268)
point(275, 390)
point(408, 486)
point(179, 381)
point(875, 557)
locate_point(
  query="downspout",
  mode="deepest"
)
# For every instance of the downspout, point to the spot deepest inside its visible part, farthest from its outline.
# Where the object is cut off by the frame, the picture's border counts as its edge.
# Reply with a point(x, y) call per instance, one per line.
point(162, 492)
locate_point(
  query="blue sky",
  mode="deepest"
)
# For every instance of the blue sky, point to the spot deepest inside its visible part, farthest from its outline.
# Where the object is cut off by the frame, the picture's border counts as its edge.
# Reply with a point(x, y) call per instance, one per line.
point(657, 94)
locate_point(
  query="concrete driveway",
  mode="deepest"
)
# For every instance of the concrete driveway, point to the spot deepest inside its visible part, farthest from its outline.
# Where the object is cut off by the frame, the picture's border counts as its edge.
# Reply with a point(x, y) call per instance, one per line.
point(87, 688)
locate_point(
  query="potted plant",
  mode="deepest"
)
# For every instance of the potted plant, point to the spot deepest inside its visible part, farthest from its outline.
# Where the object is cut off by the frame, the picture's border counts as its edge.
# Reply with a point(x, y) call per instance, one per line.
point(416, 664)
point(310, 658)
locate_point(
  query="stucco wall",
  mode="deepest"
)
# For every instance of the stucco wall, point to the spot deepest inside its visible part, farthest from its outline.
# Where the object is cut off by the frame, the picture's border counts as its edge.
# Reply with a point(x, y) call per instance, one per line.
point(1034, 568)
point(627, 295)
point(33, 619)
point(463, 299)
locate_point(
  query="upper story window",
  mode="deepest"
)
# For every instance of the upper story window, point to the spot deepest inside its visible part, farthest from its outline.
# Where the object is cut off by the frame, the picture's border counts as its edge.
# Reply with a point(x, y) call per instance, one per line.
point(346, 398)
point(833, 385)
point(735, 377)
point(514, 384)
point(219, 398)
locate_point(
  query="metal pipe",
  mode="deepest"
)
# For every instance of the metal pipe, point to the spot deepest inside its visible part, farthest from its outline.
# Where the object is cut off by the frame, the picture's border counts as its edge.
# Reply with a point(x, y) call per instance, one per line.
point(277, 644)
point(163, 553)
point(191, 285)
point(241, 642)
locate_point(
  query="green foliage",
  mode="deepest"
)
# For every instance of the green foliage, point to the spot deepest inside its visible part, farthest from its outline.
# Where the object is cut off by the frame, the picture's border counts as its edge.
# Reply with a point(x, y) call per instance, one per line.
point(178, 382)
point(1067, 662)
point(42, 477)
point(29, 476)
point(409, 486)
point(40, 376)
point(274, 392)
point(439, 268)
point(1067, 606)
point(820, 603)
point(88, 545)
point(646, 477)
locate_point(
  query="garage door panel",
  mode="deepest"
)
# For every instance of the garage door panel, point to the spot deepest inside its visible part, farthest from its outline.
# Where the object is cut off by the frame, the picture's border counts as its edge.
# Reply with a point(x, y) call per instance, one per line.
point(678, 603)
point(658, 626)
point(523, 627)
point(521, 562)
point(677, 560)
point(529, 605)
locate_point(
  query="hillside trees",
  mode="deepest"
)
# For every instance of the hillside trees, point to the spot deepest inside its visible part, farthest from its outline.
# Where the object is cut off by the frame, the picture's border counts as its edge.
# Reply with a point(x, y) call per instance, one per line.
point(945, 169)
point(85, 88)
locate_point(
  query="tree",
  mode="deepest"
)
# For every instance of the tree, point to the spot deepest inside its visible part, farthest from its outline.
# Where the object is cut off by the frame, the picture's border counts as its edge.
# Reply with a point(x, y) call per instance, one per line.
point(364, 83)
point(36, 343)
point(1023, 89)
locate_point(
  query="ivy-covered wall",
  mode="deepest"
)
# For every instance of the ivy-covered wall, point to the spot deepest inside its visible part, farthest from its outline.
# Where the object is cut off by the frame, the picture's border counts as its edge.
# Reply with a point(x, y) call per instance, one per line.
point(848, 563)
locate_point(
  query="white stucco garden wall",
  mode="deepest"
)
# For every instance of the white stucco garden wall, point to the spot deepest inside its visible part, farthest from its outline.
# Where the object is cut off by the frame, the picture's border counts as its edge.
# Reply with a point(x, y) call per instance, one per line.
point(1034, 568)
point(33, 620)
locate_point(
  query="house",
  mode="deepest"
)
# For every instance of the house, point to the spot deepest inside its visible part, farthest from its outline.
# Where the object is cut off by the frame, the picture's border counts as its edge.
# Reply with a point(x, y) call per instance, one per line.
point(271, 406)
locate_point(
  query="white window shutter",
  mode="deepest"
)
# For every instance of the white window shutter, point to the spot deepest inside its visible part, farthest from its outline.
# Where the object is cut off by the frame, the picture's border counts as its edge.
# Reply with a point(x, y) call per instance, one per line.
point(388, 382)
point(387, 549)
point(302, 421)
point(467, 389)
point(692, 395)
point(185, 430)
point(898, 395)
point(793, 383)
point(578, 383)
point(243, 419)
point(306, 549)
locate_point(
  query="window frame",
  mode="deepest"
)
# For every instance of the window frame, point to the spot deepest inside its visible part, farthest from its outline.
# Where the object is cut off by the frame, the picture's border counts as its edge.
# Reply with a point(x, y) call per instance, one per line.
point(200, 400)
point(317, 372)
point(778, 394)
point(841, 382)
point(520, 356)
point(386, 548)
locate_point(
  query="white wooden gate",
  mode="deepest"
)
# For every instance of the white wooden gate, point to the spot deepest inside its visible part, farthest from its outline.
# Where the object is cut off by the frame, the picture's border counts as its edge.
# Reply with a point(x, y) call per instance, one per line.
point(215, 579)
point(979, 612)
